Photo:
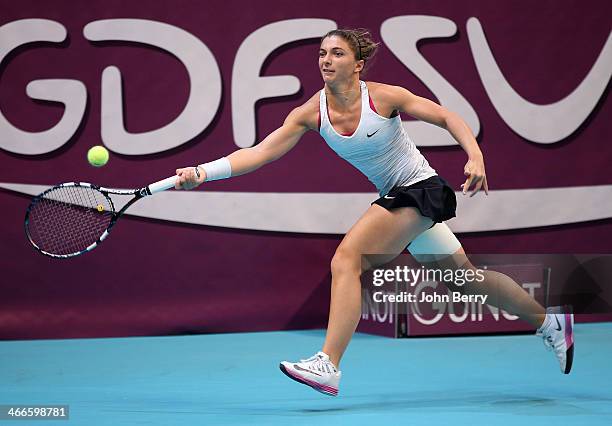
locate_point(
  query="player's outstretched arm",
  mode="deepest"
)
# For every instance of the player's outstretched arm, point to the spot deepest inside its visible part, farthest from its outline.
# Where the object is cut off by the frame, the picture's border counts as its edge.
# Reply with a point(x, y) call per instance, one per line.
point(246, 160)
point(432, 113)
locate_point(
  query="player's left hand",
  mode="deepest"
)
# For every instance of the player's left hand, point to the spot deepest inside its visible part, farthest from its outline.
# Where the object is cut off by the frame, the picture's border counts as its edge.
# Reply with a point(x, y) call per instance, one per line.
point(475, 171)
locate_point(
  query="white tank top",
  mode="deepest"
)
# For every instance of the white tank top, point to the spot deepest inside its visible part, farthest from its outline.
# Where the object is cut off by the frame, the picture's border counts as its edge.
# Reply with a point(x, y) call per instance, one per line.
point(379, 148)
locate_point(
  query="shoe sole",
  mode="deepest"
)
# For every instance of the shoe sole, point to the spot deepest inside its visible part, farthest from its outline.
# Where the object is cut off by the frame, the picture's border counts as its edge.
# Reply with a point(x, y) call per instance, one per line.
point(327, 390)
point(569, 341)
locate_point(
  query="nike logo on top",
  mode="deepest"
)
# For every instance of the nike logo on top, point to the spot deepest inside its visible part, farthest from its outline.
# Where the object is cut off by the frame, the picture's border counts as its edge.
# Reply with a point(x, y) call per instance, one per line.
point(372, 134)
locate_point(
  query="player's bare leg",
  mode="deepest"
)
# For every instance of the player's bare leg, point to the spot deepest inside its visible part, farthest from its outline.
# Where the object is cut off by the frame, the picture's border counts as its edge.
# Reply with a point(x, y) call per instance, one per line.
point(379, 231)
point(502, 291)
point(554, 325)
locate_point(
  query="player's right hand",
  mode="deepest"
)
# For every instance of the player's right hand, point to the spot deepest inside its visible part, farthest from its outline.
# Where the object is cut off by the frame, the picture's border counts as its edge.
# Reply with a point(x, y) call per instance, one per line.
point(188, 178)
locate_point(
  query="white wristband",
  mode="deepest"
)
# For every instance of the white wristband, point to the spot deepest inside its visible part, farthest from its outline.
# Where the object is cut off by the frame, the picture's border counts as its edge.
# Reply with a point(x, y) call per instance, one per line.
point(218, 169)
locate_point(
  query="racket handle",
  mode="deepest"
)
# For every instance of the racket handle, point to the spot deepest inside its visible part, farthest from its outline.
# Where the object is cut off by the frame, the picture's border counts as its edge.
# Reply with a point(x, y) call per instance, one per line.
point(163, 184)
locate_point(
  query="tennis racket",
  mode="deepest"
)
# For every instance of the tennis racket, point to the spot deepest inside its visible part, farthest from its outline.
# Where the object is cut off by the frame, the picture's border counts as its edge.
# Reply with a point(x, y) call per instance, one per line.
point(73, 218)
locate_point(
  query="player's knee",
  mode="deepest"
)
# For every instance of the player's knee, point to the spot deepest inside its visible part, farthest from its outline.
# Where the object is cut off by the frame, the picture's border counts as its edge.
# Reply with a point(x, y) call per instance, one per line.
point(345, 261)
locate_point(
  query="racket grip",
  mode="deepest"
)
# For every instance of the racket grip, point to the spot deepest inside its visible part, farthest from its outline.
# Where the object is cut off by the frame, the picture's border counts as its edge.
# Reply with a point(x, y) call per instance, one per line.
point(163, 184)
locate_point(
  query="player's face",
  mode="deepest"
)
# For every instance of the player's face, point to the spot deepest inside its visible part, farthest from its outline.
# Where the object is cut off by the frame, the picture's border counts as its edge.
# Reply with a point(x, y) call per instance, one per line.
point(336, 60)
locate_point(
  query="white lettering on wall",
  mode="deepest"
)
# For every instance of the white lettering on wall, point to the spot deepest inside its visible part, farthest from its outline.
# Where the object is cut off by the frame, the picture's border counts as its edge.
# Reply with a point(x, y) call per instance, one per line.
point(71, 93)
point(401, 35)
point(204, 77)
point(248, 86)
point(539, 123)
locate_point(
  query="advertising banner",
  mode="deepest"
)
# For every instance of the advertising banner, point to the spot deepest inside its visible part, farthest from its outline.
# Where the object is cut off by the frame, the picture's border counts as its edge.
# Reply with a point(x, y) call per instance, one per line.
point(167, 84)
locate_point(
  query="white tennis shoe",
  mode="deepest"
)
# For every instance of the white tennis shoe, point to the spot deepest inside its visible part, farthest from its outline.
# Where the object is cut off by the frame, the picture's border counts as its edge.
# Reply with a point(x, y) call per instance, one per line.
point(558, 334)
point(318, 372)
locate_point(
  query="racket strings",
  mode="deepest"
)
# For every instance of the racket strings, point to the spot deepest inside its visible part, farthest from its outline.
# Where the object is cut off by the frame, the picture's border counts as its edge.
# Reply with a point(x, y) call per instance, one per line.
point(68, 219)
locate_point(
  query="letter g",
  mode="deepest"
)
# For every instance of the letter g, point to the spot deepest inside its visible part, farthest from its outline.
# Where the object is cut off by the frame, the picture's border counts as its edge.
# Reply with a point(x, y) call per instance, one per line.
point(72, 93)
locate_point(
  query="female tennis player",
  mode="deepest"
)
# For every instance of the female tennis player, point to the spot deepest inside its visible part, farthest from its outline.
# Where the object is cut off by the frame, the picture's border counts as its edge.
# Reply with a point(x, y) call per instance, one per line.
point(360, 121)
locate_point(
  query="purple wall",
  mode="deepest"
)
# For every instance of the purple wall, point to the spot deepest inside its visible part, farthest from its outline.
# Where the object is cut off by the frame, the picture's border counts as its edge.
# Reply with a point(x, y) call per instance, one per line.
point(155, 277)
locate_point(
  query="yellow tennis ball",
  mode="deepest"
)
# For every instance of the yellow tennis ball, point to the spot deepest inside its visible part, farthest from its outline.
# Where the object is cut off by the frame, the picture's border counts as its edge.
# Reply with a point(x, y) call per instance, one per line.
point(97, 156)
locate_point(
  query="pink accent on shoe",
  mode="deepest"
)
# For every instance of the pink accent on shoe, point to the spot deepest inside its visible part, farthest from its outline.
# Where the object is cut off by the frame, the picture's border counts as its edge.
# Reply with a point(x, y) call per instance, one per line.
point(569, 332)
point(321, 388)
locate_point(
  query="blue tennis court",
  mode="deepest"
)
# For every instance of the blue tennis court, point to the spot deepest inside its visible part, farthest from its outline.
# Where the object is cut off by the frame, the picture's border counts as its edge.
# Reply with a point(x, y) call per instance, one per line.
point(234, 379)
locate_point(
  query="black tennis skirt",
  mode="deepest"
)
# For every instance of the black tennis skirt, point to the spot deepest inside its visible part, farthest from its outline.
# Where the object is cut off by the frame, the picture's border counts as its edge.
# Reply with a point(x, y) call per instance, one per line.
point(433, 197)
